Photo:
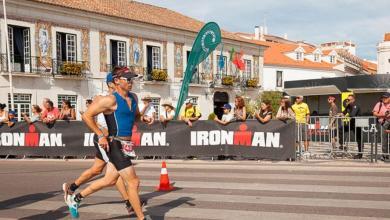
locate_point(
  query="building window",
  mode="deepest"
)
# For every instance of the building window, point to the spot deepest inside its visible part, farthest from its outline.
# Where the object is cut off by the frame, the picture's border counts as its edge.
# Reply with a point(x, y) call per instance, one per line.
point(316, 57)
point(222, 71)
point(299, 55)
point(66, 47)
point(279, 79)
point(332, 59)
point(248, 69)
point(71, 98)
point(20, 48)
point(118, 53)
point(156, 58)
point(156, 105)
point(153, 58)
point(22, 104)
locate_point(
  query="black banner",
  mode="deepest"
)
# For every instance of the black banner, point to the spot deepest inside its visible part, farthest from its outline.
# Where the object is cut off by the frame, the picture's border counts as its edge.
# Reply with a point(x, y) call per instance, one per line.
point(274, 140)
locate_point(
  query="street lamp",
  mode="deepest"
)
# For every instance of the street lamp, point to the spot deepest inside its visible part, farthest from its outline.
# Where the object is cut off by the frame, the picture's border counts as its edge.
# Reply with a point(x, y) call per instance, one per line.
point(8, 57)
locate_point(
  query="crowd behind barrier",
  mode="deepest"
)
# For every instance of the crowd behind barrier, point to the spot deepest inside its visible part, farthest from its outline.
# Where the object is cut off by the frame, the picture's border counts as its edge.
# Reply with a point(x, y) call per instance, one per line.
point(341, 134)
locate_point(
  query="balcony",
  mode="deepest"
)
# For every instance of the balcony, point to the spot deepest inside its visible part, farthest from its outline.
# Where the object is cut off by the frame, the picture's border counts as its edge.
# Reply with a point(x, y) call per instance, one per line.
point(199, 78)
point(73, 69)
point(19, 64)
point(44, 66)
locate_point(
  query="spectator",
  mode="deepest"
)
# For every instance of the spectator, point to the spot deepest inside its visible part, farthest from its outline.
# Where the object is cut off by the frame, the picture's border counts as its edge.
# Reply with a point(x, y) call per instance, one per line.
point(302, 117)
point(148, 113)
point(351, 110)
point(239, 109)
point(35, 116)
point(285, 111)
point(169, 113)
point(67, 112)
point(382, 112)
point(88, 102)
point(190, 113)
point(51, 114)
point(265, 113)
point(3, 114)
point(11, 118)
point(44, 101)
point(333, 113)
point(226, 117)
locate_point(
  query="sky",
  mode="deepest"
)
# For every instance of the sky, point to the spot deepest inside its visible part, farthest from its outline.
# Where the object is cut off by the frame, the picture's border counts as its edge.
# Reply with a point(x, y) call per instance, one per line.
point(364, 22)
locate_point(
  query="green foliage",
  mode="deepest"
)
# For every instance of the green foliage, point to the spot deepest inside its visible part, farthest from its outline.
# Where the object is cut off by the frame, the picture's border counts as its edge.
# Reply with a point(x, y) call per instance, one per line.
point(274, 97)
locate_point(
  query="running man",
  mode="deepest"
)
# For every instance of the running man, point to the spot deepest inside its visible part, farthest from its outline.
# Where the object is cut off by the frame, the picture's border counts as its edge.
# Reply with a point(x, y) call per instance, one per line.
point(100, 161)
point(120, 110)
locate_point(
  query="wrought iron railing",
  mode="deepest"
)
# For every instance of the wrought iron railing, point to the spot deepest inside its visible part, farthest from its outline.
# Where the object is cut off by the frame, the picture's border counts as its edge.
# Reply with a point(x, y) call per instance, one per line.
point(22, 64)
point(69, 68)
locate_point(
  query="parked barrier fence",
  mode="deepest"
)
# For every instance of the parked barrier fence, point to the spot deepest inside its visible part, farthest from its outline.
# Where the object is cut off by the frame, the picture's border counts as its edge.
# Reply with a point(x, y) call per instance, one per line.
point(342, 137)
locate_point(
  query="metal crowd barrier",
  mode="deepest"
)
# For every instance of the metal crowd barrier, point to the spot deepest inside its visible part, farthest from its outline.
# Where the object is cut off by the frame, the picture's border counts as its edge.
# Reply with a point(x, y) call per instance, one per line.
point(342, 137)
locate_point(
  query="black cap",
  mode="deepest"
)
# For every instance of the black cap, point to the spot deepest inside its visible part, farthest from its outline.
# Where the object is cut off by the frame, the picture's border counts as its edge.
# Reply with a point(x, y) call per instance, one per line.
point(386, 95)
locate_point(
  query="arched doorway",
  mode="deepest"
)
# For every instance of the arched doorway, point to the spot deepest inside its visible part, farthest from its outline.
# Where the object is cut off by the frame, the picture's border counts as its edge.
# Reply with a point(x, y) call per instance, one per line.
point(220, 98)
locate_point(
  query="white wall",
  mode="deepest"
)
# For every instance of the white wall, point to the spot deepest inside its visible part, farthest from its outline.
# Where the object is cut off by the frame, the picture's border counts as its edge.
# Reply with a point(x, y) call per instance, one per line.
point(384, 58)
point(293, 74)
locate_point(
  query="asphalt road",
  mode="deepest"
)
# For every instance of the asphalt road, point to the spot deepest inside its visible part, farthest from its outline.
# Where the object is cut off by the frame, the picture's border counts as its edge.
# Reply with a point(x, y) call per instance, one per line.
point(31, 189)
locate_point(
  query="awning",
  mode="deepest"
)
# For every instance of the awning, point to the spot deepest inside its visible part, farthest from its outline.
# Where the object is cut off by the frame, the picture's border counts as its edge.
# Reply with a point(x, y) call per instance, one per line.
point(315, 90)
point(368, 90)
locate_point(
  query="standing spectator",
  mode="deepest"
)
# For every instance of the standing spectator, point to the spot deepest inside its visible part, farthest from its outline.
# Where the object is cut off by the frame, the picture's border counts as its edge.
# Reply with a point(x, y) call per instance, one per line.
point(35, 116)
point(3, 114)
point(190, 113)
point(352, 110)
point(381, 111)
point(333, 113)
point(239, 109)
point(67, 112)
point(51, 114)
point(226, 117)
point(148, 113)
point(265, 113)
point(169, 113)
point(302, 117)
point(285, 111)
point(88, 102)
point(11, 118)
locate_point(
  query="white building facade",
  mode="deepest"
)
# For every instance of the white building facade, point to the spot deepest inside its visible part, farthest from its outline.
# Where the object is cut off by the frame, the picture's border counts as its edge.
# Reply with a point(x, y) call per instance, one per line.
point(61, 51)
point(384, 55)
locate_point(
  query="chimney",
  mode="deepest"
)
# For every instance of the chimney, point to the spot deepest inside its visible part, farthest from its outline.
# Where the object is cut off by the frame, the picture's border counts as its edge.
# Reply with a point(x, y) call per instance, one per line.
point(387, 37)
point(262, 33)
point(257, 33)
point(265, 30)
point(285, 36)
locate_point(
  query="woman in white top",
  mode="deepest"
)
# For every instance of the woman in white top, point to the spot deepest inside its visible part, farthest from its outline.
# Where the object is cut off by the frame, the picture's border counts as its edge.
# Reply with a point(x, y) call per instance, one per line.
point(169, 113)
point(148, 113)
point(35, 116)
point(3, 114)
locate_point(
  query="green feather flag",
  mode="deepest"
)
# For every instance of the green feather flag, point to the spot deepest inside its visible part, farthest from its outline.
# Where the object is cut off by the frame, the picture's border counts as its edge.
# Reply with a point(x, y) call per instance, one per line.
point(209, 37)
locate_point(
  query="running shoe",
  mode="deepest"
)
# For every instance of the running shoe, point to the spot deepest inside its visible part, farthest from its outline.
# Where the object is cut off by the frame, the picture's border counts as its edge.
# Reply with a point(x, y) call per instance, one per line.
point(73, 206)
point(130, 209)
point(67, 191)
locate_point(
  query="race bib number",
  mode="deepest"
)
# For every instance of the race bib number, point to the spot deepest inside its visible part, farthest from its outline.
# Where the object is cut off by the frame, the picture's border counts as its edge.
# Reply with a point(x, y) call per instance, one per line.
point(127, 148)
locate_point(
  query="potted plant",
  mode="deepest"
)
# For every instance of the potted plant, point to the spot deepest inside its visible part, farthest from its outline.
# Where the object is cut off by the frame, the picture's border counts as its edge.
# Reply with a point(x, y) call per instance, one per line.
point(252, 83)
point(159, 75)
point(227, 80)
point(70, 68)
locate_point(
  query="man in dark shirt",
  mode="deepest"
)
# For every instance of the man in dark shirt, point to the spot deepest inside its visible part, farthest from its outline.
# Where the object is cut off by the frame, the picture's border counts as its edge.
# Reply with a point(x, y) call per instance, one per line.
point(352, 110)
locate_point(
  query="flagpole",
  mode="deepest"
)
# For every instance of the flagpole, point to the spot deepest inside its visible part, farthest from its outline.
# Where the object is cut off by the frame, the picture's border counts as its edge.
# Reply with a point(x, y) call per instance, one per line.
point(11, 90)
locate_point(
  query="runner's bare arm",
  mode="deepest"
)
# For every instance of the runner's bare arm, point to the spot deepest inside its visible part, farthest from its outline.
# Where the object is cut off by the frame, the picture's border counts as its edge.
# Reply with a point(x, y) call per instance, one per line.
point(100, 104)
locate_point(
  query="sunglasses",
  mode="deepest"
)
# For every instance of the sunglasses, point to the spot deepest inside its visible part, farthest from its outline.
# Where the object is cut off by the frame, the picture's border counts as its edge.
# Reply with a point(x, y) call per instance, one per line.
point(128, 80)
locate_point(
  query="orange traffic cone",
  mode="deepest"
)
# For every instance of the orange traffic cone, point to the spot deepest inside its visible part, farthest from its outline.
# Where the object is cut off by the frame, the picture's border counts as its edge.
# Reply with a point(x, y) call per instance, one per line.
point(164, 179)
